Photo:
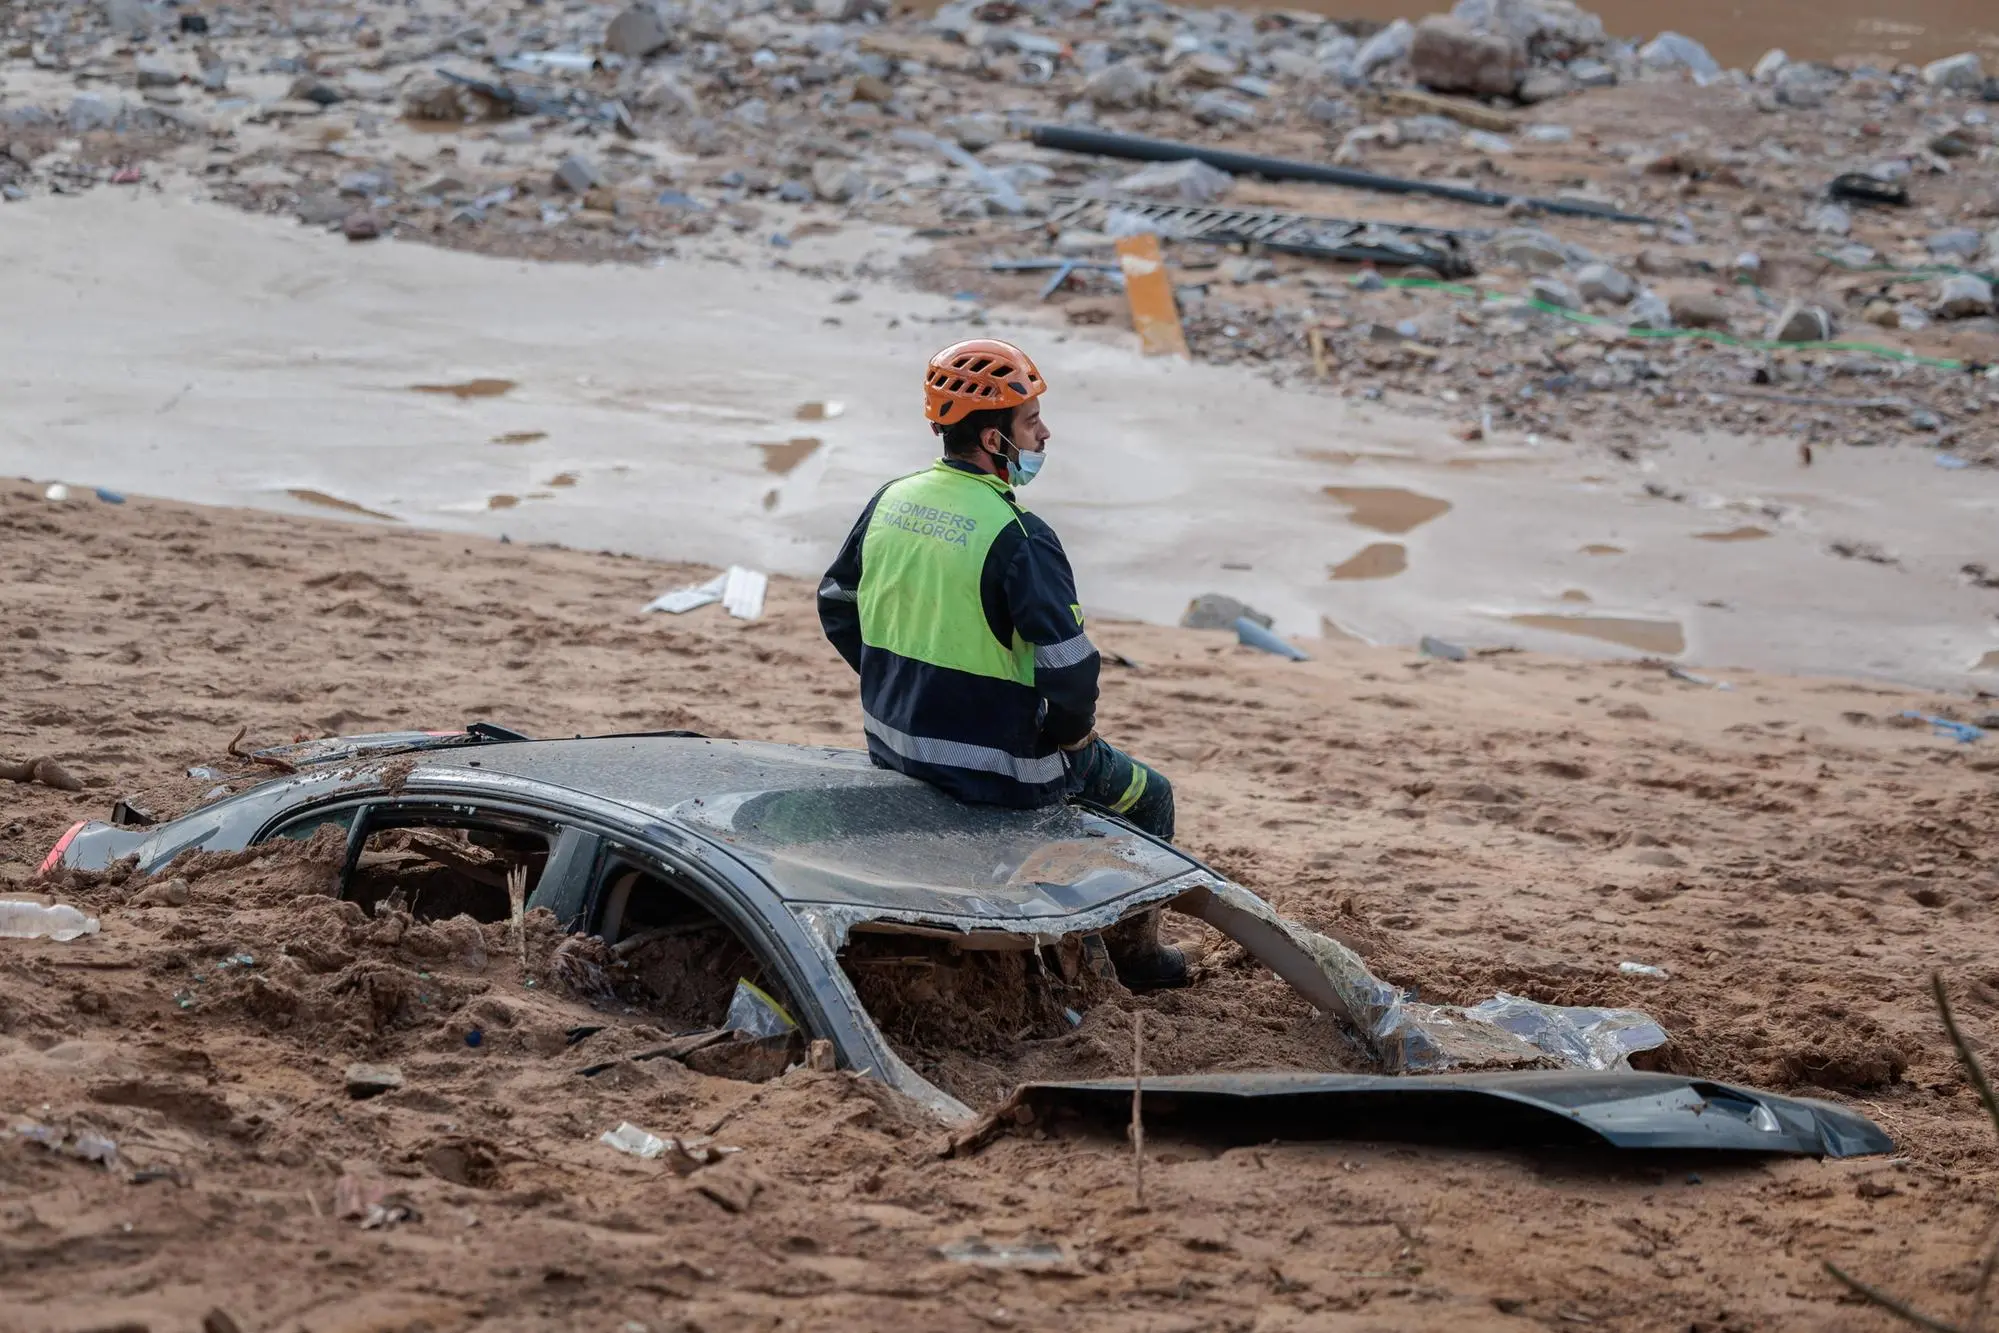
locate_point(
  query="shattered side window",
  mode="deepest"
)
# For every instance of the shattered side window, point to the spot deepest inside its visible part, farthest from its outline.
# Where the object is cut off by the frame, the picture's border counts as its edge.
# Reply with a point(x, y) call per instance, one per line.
point(301, 830)
point(910, 844)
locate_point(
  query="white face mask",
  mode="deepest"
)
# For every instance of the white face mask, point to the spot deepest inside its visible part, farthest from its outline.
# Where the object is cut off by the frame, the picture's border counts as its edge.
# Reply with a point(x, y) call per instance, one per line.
point(1022, 468)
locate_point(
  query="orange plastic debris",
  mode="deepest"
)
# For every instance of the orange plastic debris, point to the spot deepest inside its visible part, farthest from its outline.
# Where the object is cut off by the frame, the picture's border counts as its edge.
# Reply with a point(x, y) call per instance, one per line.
point(1150, 291)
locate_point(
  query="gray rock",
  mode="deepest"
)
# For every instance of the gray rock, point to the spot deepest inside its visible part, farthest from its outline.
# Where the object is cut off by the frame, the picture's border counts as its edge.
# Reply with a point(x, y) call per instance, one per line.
point(215, 78)
point(1218, 108)
point(1748, 264)
point(153, 72)
point(1801, 323)
point(1963, 296)
point(1804, 86)
point(837, 182)
point(975, 132)
point(636, 33)
point(1957, 243)
point(1650, 312)
point(1601, 282)
point(1295, 64)
point(1545, 85)
point(1766, 68)
point(1699, 310)
point(1963, 73)
point(1535, 251)
point(1250, 268)
point(24, 118)
point(794, 192)
point(130, 18)
point(361, 226)
point(366, 184)
point(1670, 51)
point(1326, 111)
point(89, 112)
point(1190, 181)
point(323, 210)
point(365, 1080)
point(1384, 48)
point(1215, 610)
point(1555, 292)
point(577, 175)
point(1591, 73)
point(844, 11)
point(1450, 56)
point(666, 92)
point(1830, 220)
point(1124, 86)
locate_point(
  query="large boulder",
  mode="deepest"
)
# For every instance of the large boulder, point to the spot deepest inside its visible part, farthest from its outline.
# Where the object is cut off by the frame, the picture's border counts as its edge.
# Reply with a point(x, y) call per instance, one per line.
point(1450, 56)
point(1551, 30)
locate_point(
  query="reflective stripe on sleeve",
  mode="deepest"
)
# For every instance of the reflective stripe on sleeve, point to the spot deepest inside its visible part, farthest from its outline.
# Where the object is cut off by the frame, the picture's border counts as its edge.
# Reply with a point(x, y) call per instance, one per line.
point(829, 591)
point(1133, 792)
point(1064, 654)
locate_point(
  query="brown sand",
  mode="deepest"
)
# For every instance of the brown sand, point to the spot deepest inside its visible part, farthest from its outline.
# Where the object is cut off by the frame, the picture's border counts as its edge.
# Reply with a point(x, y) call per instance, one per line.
point(1793, 855)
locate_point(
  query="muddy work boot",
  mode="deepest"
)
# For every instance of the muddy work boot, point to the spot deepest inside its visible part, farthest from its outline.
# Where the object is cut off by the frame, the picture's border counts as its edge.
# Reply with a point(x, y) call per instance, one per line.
point(1142, 961)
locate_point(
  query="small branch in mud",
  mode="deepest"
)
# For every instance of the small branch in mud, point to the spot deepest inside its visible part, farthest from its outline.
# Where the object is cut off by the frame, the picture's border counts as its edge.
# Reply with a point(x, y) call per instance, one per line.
point(1900, 1309)
point(45, 771)
point(517, 885)
point(236, 750)
point(1137, 1115)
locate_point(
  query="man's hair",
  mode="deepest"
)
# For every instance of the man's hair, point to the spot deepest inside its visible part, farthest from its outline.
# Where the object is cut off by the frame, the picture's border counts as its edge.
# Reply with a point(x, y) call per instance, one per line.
point(961, 438)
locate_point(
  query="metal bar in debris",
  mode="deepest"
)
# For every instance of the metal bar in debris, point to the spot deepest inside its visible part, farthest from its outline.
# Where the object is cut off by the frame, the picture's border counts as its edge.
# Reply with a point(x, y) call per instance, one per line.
point(1073, 139)
point(1347, 239)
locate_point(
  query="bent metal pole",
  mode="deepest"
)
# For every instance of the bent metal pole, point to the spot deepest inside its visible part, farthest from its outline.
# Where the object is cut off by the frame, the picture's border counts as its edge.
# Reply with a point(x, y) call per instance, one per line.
point(1072, 139)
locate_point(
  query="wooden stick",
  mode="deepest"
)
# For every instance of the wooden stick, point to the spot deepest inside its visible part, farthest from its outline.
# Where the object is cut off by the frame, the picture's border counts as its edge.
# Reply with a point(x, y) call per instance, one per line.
point(1137, 1117)
point(1900, 1309)
point(517, 884)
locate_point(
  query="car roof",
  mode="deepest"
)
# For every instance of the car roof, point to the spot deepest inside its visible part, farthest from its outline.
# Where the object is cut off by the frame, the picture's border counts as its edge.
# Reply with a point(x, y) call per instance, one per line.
point(827, 826)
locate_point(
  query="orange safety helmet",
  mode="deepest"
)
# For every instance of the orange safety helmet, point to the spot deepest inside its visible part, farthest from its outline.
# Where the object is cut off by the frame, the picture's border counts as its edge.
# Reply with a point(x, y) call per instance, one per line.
point(977, 376)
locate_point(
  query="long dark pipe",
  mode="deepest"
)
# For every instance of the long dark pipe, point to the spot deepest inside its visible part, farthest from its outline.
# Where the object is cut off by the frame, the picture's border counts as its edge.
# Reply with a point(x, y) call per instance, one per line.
point(1071, 139)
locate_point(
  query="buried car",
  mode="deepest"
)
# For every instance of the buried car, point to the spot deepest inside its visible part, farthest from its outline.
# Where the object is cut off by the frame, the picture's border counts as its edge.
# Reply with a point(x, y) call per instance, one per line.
point(799, 875)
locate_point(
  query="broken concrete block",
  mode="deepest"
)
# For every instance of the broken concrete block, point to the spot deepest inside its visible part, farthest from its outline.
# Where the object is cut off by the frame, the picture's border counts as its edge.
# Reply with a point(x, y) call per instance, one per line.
point(1554, 292)
point(1386, 47)
point(973, 133)
point(365, 1080)
point(153, 72)
point(837, 182)
point(1963, 73)
point(1801, 323)
point(1190, 181)
point(1963, 296)
point(1545, 85)
point(1535, 251)
point(577, 175)
point(1601, 282)
point(636, 33)
point(1699, 310)
point(1120, 87)
point(1957, 243)
point(1450, 56)
point(1670, 51)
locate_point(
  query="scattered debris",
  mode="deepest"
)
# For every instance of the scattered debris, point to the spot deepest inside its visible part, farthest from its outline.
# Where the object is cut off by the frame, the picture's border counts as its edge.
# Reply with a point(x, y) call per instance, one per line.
point(1154, 314)
point(27, 920)
point(1962, 732)
point(1253, 635)
point(363, 1081)
point(1214, 610)
point(1438, 648)
point(45, 771)
point(740, 590)
point(1642, 970)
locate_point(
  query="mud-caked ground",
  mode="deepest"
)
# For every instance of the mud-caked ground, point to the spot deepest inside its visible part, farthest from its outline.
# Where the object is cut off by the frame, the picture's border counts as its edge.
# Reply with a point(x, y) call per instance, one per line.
point(1794, 854)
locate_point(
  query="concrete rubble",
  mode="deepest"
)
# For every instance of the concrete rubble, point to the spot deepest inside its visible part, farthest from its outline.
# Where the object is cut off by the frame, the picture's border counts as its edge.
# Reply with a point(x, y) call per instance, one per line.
point(623, 132)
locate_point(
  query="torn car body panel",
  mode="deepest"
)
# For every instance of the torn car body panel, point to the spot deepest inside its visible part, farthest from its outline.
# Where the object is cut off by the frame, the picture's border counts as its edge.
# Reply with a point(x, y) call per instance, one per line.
point(797, 850)
point(1528, 1109)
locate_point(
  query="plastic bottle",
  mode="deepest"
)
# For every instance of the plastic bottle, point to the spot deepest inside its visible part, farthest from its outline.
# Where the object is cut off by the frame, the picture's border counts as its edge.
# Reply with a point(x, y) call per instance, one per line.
point(34, 921)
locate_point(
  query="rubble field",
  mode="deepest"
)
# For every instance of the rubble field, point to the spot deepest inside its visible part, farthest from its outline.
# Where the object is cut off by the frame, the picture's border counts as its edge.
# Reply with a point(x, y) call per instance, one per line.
point(1749, 292)
point(243, 1104)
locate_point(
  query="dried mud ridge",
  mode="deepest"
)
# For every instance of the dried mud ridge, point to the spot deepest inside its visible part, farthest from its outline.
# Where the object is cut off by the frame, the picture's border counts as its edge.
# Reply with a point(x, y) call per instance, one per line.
point(729, 129)
point(1795, 863)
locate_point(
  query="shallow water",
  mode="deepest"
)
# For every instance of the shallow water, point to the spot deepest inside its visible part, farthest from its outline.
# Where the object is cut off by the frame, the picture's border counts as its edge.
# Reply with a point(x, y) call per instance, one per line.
point(1664, 637)
point(1737, 32)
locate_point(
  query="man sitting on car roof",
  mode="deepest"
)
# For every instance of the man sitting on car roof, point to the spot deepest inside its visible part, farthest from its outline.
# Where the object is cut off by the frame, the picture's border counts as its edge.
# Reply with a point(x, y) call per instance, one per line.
point(959, 611)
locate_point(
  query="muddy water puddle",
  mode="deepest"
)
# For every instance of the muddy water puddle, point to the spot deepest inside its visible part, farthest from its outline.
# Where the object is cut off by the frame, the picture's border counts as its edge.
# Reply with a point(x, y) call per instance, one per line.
point(1739, 31)
point(1382, 560)
point(1989, 662)
point(819, 411)
point(1664, 637)
point(1749, 534)
point(1388, 508)
point(325, 501)
point(784, 455)
point(1602, 548)
point(468, 389)
point(520, 437)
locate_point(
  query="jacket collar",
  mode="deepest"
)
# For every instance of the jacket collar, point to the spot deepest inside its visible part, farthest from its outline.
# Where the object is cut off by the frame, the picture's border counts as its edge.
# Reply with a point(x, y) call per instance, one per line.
point(953, 465)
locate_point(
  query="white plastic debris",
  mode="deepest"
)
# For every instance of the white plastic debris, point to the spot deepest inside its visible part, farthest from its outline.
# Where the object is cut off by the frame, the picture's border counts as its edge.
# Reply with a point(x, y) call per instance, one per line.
point(629, 1138)
point(739, 590)
point(1642, 970)
point(56, 493)
point(27, 920)
point(752, 1010)
point(743, 592)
